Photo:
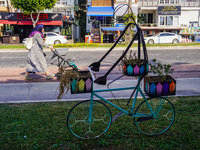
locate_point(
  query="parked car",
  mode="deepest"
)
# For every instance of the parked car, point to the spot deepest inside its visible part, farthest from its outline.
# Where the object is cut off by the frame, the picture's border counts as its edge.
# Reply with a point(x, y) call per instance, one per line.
point(52, 38)
point(163, 37)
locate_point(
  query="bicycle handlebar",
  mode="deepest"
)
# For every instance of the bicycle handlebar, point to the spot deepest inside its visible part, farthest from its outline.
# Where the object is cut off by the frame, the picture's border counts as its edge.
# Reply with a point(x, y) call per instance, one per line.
point(90, 70)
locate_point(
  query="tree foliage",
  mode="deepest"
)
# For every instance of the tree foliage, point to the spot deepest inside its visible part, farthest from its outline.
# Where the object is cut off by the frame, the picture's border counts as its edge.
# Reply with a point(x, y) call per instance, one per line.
point(33, 6)
point(128, 18)
point(81, 16)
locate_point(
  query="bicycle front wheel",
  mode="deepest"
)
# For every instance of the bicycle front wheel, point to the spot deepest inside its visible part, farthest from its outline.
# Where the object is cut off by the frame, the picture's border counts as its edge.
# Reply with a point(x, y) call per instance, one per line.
point(160, 122)
point(86, 125)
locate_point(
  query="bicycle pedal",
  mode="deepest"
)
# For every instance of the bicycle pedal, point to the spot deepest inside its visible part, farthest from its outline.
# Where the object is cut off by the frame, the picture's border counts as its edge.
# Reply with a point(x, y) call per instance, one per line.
point(142, 119)
point(113, 119)
point(32, 72)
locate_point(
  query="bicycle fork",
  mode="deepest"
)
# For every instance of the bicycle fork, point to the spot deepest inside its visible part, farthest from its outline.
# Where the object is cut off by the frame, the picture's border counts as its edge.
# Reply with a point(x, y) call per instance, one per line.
point(90, 109)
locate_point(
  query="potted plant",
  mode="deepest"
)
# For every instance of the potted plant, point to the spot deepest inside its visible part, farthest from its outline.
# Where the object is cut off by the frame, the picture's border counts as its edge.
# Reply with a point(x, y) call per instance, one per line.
point(75, 80)
point(161, 83)
point(132, 66)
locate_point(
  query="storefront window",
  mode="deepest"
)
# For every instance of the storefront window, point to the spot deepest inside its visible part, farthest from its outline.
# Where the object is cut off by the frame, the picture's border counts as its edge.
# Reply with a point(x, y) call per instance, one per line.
point(161, 1)
point(52, 29)
point(2, 4)
point(177, 1)
point(176, 20)
point(166, 1)
point(63, 11)
point(162, 20)
point(64, 2)
point(119, 19)
point(169, 20)
point(169, 1)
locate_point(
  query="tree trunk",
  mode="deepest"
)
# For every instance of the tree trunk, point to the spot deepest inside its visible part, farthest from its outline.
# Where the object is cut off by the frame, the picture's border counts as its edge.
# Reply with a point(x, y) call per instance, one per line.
point(37, 19)
point(129, 11)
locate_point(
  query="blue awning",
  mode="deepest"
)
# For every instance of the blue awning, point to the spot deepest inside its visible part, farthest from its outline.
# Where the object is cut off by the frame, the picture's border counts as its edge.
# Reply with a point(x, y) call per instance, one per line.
point(112, 29)
point(115, 29)
point(100, 11)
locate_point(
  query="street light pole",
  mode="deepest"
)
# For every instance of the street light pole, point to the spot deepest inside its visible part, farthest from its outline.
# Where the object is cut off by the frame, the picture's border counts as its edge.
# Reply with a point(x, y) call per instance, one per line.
point(130, 6)
point(129, 12)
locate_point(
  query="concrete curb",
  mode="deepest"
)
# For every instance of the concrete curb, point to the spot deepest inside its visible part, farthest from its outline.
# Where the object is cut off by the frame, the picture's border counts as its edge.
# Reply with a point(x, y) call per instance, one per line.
point(48, 91)
point(107, 48)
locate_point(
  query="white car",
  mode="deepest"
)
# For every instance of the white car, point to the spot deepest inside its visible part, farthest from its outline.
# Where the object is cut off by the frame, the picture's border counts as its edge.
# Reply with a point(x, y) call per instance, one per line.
point(163, 37)
point(52, 38)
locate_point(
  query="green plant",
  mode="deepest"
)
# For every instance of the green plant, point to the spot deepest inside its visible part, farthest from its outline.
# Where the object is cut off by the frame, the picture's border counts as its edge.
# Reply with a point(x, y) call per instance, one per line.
point(128, 18)
point(160, 69)
point(66, 77)
point(131, 59)
point(77, 45)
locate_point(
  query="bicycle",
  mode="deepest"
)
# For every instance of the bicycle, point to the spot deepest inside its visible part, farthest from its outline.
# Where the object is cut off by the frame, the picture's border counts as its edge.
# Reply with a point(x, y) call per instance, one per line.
point(154, 116)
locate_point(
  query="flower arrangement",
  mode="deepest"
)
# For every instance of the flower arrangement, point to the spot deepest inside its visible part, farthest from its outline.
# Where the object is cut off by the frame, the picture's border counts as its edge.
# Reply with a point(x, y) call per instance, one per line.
point(132, 66)
point(76, 81)
point(161, 83)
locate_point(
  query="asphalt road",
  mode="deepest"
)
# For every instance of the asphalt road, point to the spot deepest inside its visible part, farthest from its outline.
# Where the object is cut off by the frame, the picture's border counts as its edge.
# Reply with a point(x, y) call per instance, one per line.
point(84, 57)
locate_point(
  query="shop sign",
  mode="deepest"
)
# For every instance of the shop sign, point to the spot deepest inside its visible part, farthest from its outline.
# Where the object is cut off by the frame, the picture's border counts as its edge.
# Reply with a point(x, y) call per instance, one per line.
point(169, 10)
point(184, 31)
point(196, 30)
point(190, 30)
point(67, 18)
point(119, 25)
point(21, 16)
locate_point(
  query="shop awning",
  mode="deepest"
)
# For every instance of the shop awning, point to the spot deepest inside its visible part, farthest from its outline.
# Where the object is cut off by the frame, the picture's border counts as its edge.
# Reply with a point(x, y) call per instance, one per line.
point(100, 11)
point(30, 22)
point(40, 22)
point(8, 22)
point(112, 29)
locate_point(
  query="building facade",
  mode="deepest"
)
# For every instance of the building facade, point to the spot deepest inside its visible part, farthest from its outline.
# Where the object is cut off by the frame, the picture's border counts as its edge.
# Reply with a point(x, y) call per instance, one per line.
point(70, 26)
point(168, 15)
point(60, 19)
point(153, 16)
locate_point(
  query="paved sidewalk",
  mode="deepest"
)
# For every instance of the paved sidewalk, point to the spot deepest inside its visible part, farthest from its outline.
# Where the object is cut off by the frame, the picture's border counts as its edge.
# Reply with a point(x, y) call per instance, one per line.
point(48, 91)
point(16, 75)
point(14, 89)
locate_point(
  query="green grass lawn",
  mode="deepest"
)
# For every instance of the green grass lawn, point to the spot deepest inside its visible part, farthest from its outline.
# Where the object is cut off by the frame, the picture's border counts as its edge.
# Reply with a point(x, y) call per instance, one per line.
point(21, 46)
point(43, 126)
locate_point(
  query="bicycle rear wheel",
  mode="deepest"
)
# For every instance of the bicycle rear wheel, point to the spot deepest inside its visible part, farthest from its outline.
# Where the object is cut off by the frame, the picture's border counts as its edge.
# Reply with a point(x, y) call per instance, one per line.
point(158, 124)
point(83, 126)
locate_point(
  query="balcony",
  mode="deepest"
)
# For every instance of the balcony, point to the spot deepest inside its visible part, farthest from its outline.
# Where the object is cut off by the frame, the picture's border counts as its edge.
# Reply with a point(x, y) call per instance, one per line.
point(155, 3)
point(64, 4)
point(191, 4)
point(147, 3)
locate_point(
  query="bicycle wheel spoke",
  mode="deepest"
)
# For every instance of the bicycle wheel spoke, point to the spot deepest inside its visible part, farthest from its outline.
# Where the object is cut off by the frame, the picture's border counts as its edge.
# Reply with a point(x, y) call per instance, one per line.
point(86, 126)
point(160, 121)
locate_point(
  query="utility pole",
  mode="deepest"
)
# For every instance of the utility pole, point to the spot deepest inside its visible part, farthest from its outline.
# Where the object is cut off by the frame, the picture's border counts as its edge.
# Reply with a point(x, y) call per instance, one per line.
point(129, 12)
point(130, 6)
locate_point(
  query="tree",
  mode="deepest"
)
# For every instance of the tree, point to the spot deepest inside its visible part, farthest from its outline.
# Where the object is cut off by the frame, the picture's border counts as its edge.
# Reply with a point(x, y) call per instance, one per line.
point(128, 18)
point(30, 7)
point(81, 16)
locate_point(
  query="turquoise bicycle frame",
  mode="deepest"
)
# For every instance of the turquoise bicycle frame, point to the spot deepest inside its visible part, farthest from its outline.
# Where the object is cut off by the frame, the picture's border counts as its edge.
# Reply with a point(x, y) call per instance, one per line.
point(138, 89)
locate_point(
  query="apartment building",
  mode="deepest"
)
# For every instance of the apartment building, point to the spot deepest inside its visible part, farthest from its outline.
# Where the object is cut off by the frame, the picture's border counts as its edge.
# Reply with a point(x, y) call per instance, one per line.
point(99, 13)
point(100, 19)
point(3, 6)
point(70, 25)
point(153, 16)
point(169, 15)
